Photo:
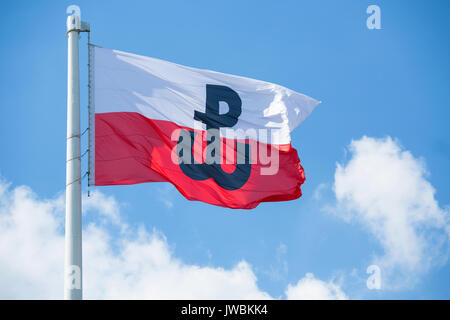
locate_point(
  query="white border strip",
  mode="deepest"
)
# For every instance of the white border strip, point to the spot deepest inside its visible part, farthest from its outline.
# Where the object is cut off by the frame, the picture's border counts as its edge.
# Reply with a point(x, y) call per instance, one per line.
point(91, 110)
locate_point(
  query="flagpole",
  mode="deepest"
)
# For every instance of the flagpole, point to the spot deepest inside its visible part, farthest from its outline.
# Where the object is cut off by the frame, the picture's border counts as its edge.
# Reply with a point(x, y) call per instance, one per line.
point(73, 258)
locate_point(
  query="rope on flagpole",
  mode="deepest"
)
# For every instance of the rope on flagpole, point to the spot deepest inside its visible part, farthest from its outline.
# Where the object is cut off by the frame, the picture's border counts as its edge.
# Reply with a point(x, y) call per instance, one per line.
point(80, 157)
point(91, 120)
point(87, 173)
point(84, 131)
point(79, 179)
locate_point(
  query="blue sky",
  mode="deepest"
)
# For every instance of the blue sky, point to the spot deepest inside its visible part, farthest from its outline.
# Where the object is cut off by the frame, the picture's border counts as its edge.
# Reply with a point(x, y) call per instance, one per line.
point(392, 82)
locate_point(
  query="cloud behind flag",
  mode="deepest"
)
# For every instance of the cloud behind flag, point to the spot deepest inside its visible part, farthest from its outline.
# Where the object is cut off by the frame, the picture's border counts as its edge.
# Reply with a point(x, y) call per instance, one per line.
point(219, 138)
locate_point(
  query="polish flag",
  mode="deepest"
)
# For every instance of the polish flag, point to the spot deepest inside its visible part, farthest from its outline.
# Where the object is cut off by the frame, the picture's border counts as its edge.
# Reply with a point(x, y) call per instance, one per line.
point(218, 138)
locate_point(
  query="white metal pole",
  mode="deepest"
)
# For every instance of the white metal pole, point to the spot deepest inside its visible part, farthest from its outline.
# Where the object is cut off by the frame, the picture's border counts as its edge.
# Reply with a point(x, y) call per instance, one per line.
point(73, 263)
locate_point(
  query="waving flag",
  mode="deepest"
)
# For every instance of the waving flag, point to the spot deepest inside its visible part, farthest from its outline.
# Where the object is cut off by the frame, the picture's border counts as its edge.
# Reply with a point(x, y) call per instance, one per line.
point(219, 138)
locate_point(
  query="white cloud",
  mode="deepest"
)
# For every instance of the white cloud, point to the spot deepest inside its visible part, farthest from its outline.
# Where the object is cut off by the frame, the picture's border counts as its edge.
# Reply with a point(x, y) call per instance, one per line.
point(107, 206)
point(384, 187)
point(310, 288)
point(31, 244)
point(131, 264)
point(145, 268)
point(137, 264)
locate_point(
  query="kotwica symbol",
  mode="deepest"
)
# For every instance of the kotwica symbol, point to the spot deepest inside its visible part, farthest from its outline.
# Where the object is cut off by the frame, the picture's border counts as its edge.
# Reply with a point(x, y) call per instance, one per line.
point(214, 121)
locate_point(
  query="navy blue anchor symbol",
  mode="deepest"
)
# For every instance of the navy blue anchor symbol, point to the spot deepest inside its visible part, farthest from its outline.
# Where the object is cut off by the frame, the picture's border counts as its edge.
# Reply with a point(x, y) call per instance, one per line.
point(214, 120)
